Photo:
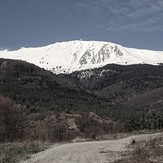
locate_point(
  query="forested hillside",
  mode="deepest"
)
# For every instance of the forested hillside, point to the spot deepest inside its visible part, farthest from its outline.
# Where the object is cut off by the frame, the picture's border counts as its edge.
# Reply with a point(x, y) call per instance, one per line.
point(114, 98)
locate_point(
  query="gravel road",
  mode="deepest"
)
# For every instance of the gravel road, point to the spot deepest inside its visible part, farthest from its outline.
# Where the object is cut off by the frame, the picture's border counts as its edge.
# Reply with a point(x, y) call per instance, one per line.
point(86, 152)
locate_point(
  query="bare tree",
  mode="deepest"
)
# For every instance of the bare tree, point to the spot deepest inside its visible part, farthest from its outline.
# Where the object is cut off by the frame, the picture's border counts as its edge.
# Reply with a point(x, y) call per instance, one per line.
point(11, 120)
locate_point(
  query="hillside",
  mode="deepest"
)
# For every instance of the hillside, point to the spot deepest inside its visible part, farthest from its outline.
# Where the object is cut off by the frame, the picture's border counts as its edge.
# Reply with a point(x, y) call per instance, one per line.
point(104, 91)
point(151, 97)
point(47, 110)
point(119, 83)
point(40, 90)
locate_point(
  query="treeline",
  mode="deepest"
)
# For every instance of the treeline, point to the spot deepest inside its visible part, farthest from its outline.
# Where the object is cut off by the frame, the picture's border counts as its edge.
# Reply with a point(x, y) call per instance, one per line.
point(144, 120)
point(17, 123)
point(138, 117)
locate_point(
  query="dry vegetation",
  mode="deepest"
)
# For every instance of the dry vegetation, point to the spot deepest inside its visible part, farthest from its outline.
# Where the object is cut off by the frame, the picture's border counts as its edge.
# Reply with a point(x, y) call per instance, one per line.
point(13, 146)
point(14, 152)
point(150, 151)
point(22, 134)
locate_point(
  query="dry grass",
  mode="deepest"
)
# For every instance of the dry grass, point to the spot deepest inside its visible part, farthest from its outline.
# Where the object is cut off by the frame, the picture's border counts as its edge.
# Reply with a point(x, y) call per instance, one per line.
point(14, 152)
point(145, 152)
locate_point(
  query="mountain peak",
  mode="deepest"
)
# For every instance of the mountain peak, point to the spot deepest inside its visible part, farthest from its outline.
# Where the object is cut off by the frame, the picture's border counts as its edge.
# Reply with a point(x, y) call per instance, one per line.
point(66, 57)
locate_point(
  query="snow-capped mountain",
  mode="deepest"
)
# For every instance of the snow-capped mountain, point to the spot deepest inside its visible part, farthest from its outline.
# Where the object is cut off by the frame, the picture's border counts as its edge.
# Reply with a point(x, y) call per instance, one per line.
point(66, 57)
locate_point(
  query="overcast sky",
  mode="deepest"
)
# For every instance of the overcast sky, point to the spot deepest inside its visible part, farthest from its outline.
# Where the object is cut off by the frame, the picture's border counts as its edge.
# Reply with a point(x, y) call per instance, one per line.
point(132, 23)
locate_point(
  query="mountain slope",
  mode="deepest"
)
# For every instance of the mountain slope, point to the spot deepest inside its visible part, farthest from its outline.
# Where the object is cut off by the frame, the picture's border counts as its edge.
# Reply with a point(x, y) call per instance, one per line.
point(67, 57)
point(118, 83)
point(40, 90)
point(52, 111)
point(154, 97)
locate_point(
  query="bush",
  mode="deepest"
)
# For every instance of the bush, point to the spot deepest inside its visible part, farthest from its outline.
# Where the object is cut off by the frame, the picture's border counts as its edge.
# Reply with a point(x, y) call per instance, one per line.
point(14, 152)
point(11, 119)
point(149, 151)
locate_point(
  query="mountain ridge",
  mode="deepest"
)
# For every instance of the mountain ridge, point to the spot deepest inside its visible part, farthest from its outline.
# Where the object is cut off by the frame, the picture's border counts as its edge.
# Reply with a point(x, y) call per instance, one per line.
point(70, 56)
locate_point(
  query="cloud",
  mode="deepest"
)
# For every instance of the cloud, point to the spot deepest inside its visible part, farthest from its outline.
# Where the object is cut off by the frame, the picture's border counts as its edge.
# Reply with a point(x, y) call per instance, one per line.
point(132, 15)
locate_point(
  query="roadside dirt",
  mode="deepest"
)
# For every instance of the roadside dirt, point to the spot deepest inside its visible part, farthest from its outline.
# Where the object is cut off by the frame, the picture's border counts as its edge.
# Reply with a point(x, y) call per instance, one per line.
point(87, 152)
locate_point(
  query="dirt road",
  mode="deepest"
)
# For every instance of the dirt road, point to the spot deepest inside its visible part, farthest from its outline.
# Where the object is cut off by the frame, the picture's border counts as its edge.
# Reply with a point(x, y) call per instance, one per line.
point(86, 152)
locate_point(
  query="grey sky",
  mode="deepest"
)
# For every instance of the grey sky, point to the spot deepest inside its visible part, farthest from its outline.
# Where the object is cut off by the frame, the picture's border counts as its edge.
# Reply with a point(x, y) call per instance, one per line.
point(132, 23)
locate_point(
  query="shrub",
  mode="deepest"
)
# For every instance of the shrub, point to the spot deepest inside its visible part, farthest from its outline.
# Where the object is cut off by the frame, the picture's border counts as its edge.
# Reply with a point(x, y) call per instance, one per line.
point(11, 119)
point(14, 152)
